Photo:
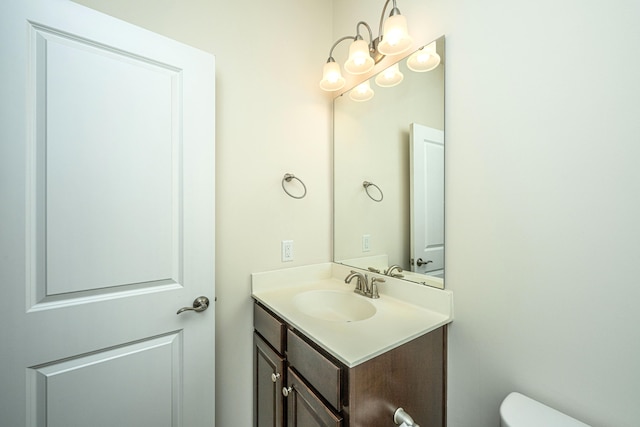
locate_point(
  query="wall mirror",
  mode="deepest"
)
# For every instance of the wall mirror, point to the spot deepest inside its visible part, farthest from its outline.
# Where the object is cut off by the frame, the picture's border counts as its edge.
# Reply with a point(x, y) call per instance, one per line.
point(389, 174)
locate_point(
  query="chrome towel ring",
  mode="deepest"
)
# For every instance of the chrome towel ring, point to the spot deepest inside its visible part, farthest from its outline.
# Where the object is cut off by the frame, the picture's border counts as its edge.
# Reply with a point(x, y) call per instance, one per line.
point(288, 177)
point(366, 186)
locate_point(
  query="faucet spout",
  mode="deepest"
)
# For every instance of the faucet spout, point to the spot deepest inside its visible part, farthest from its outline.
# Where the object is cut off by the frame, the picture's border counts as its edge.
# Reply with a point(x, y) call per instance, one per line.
point(390, 271)
point(362, 283)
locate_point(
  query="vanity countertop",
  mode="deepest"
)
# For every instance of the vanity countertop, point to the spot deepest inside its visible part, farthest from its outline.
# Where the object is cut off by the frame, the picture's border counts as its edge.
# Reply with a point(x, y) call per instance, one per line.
point(403, 312)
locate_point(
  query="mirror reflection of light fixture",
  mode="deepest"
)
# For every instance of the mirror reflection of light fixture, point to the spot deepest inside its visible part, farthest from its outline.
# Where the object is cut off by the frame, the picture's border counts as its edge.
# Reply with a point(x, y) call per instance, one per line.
point(394, 39)
point(424, 59)
point(362, 92)
point(390, 77)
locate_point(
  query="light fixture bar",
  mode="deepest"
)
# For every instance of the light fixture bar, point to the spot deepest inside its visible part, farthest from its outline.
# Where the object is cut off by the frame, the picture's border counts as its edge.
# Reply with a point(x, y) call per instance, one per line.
point(393, 39)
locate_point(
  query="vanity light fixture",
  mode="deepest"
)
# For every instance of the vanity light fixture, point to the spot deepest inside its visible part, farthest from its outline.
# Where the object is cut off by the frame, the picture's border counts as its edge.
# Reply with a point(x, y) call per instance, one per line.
point(424, 59)
point(393, 39)
point(362, 92)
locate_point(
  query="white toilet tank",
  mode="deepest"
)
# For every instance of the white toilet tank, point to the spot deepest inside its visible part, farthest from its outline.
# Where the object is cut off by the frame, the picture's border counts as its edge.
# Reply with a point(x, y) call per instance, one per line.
point(517, 410)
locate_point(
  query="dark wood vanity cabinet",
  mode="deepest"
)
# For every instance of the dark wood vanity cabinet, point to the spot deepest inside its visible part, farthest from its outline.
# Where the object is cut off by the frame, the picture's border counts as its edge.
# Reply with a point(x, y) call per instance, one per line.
point(322, 392)
point(268, 369)
point(305, 408)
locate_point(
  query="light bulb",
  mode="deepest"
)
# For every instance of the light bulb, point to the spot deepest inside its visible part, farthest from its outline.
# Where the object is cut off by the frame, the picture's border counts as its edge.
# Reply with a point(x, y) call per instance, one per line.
point(331, 77)
point(362, 92)
point(423, 60)
point(359, 61)
point(389, 77)
point(395, 37)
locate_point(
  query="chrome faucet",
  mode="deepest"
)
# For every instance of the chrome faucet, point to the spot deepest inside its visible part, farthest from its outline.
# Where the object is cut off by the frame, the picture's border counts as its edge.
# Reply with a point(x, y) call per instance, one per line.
point(390, 271)
point(362, 285)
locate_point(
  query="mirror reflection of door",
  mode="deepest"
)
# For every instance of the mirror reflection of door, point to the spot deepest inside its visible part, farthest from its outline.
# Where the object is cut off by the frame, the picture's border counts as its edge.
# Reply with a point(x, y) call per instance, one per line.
point(427, 200)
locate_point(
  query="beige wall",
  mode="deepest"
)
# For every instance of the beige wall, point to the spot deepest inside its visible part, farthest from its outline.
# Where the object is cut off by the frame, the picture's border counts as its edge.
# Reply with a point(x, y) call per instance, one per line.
point(271, 119)
point(542, 177)
point(542, 185)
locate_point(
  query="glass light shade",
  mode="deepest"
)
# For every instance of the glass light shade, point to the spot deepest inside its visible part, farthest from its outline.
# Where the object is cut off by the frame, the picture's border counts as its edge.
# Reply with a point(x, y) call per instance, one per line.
point(389, 77)
point(395, 37)
point(359, 61)
point(331, 77)
point(362, 92)
point(423, 60)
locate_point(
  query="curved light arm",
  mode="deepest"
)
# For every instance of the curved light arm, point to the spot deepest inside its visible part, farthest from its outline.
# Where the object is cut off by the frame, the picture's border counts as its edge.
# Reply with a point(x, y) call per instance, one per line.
point(368, 29)
point(341, 39)
point(356, 37)
point(384, 9)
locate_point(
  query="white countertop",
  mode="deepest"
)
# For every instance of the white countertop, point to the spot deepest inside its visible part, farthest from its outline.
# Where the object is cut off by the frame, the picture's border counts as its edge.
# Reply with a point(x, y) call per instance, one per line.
point(404, 310)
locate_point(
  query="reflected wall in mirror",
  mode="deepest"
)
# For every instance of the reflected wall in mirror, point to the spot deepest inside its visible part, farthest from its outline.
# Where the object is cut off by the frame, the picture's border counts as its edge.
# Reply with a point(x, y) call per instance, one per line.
point(394, 140)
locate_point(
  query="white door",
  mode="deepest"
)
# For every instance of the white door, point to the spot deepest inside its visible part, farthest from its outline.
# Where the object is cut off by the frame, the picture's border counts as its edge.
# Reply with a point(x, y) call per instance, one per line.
point(427, 199)
point(107, 222)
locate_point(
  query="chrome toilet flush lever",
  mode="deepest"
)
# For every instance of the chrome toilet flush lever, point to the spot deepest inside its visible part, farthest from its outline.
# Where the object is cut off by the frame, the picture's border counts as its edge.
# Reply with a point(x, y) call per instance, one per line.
point(400, 416)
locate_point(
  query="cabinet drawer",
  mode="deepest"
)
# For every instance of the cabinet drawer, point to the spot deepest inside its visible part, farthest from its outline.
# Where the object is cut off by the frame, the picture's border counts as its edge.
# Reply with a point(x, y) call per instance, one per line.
point(325, 375)
point(269, 327)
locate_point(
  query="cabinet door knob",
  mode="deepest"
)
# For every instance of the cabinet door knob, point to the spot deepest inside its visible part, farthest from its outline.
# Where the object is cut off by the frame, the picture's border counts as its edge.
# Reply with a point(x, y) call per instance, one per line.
point(275, 376)
point(286, 391)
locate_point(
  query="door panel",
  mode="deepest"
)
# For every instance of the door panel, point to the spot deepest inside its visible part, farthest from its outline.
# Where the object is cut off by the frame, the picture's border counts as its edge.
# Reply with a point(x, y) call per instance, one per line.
point(88, 385)
point(108, 179)
point(107, 229)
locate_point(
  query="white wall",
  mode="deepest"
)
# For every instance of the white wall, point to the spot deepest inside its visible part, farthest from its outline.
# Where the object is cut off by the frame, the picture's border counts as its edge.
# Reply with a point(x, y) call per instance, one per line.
point(542, 185)
point(271, 119)
point(543, 181)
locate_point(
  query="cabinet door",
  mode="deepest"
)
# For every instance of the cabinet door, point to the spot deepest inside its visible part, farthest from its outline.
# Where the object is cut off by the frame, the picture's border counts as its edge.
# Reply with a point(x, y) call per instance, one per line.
point(304, 408)
point(268, 377)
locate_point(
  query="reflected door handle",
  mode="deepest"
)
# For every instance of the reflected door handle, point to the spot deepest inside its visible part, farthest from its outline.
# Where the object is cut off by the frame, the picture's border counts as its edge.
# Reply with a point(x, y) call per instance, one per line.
point(199, 304)
point(420, 262)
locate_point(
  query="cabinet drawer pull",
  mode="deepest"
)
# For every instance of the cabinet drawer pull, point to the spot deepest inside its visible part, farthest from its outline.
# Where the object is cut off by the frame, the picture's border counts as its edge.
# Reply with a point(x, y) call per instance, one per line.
point(286, 391)
point(275, 376)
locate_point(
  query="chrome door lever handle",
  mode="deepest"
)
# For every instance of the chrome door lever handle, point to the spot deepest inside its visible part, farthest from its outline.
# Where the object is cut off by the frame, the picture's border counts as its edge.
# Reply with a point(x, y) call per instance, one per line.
point(420, 262)
point(199, 304)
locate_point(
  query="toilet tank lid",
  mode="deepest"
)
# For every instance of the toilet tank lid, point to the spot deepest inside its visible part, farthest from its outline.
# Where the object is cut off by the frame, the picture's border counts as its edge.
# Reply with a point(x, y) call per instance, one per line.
point(518, 410)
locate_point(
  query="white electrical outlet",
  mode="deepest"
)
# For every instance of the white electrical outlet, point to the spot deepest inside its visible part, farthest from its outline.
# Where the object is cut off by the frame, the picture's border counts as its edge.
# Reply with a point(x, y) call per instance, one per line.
point(366, 243)
point(287, 250)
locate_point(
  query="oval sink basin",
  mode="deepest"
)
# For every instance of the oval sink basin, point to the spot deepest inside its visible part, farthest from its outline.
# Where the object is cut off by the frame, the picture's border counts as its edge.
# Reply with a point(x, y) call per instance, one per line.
point(334, 306)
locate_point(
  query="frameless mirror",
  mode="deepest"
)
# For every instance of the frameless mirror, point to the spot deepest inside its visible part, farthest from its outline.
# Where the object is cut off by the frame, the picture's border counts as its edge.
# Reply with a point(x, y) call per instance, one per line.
point(389, 174)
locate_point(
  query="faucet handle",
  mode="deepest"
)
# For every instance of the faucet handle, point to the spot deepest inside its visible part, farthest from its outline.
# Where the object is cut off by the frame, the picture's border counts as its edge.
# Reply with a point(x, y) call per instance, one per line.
point(374, 286)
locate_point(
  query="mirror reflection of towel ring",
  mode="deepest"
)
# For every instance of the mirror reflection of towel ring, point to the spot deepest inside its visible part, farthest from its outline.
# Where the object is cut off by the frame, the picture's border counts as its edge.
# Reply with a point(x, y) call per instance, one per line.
point(366, 185)
point(288, 177)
